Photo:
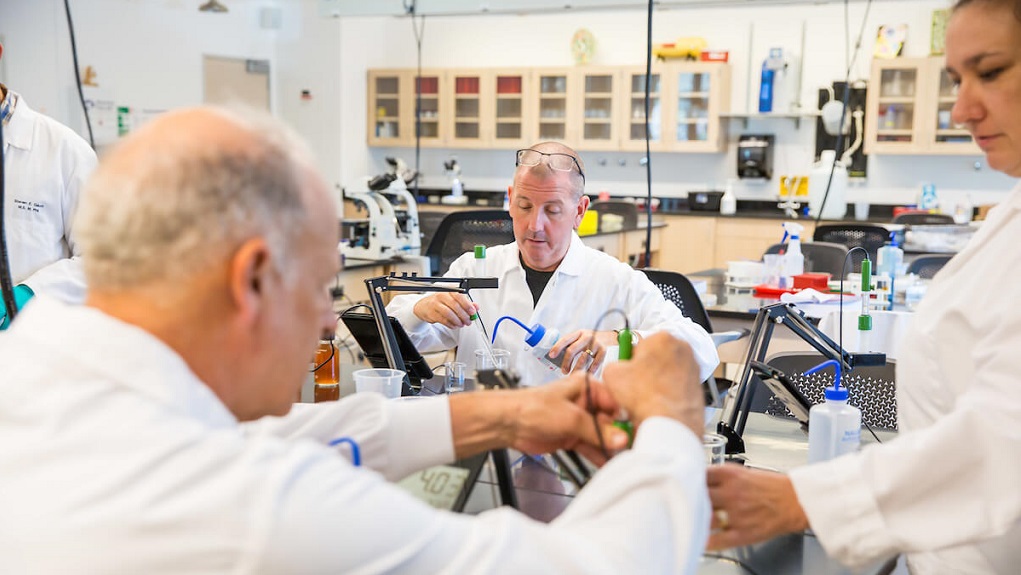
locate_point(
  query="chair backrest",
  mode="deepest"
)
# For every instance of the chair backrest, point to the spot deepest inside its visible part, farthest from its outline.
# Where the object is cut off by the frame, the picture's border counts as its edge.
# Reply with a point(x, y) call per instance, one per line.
point(823, 257)
point(428, 223)
point(865, 236)
point(871, 389)
point(679, 290)
point(460, 232)
point(627, 210)
point(925, 266)
point(923, 218)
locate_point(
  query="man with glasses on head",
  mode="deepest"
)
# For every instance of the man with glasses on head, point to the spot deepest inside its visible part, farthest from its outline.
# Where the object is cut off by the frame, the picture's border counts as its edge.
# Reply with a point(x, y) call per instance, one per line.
point(548, 276)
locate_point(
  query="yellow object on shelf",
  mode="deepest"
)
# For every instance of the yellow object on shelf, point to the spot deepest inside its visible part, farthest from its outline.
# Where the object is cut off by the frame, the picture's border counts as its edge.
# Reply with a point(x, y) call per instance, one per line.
point(690, 47)
point(589, 223)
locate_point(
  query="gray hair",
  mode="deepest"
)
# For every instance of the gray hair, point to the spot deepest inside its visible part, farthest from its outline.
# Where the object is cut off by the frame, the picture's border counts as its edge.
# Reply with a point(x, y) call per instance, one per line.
point(184, 209)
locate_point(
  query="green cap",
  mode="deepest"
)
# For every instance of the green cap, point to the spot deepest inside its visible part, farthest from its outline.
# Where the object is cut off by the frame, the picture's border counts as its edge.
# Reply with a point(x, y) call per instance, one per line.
point(480, 252)
point(864, 323)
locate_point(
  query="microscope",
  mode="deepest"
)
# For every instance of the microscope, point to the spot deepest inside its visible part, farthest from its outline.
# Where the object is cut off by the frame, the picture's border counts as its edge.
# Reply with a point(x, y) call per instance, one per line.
point(392, 227)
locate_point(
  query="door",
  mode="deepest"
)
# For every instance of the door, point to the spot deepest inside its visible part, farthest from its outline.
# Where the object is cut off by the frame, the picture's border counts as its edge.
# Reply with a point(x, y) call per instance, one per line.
point(231, 81)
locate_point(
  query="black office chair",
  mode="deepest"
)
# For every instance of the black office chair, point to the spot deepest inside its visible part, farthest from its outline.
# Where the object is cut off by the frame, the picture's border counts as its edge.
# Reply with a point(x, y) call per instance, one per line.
point(854, 236)
point(460, 232)
point(822, 257)
point(678, 290)
point(925, 266)
point(923, 218)
point(873, 390)
point(428, 222)
point(627, 210)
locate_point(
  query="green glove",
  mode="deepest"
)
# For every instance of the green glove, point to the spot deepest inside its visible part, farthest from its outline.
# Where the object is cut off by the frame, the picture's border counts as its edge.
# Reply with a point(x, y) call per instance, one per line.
point(22, 293)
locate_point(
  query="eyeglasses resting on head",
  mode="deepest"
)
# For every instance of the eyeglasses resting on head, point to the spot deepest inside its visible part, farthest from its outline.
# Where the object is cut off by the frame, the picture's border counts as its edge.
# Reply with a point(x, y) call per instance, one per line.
point(555, 160)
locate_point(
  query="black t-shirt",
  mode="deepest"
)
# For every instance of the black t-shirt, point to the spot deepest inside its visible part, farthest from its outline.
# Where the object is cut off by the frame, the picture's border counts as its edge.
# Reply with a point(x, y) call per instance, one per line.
point(536, 280)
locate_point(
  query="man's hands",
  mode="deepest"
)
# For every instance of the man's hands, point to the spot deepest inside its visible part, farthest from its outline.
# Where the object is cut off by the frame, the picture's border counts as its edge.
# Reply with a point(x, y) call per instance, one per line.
point(660, 379)
point(583, 341)
point(750, 505)
point(536, 420)
point(447, 308)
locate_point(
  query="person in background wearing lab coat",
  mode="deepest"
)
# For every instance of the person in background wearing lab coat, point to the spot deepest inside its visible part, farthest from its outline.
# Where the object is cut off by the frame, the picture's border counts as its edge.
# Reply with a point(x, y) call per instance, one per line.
point(947, 490)
point(152, 429)
point(548, 276)
point(45, 165)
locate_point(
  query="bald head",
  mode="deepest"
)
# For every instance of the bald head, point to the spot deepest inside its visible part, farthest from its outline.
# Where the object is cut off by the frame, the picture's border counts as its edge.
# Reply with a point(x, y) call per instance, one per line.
point(180, 194)
point(543, 171)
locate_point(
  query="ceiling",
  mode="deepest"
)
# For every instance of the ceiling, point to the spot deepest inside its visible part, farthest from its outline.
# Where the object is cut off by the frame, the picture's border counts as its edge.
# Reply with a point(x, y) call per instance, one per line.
point(339, 8)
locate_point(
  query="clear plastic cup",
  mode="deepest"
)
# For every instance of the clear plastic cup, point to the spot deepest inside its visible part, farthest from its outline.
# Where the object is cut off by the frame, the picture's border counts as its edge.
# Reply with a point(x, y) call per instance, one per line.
point(715, 447)
point(385, 381)
point(499, 360)
point(453, 376)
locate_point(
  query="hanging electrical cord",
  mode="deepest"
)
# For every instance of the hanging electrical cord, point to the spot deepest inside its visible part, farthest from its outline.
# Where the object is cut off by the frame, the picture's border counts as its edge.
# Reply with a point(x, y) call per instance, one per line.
point(844, 100)
point(77, 74)
point(648, 147)
point(410, 7)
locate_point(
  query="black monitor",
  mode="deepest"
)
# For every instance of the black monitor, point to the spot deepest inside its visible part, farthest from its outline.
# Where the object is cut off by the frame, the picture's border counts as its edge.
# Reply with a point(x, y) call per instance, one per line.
point(363, 327)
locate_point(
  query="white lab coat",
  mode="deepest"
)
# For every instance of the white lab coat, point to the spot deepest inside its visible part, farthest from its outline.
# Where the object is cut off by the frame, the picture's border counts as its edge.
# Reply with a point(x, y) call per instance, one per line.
point(948, 489)
point(46, 166)
point(117, 459)
point(585, 285)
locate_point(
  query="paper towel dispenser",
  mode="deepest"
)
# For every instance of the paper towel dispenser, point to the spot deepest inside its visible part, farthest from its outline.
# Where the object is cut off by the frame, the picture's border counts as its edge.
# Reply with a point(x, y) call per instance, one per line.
point(755, 156)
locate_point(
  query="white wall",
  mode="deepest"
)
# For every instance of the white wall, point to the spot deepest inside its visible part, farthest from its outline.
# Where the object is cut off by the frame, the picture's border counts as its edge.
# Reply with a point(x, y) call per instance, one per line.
point(747, 32)
point(148, 54)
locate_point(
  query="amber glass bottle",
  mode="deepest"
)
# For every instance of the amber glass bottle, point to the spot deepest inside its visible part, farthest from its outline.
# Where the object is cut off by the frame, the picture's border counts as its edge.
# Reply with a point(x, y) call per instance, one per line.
point(327, 372)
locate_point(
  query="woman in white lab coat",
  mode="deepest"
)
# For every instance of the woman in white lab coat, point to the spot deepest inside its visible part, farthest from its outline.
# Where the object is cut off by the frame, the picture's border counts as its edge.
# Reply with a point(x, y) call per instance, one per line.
point(946, 491)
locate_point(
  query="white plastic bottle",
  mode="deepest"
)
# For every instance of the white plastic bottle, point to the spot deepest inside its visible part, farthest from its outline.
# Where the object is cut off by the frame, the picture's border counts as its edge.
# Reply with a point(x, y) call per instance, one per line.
point(541, 341)
point(889, 260)
point(836, 202)
point(793, 260)
point(834, 427)
point(728, 203)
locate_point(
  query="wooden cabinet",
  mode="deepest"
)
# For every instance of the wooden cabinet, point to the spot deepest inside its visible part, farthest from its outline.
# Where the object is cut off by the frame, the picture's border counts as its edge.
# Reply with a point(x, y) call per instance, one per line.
point(688, 243)
point(908, 109)
point(686, 100)
point(392, 102)
point(598, 108)
point(489, 108)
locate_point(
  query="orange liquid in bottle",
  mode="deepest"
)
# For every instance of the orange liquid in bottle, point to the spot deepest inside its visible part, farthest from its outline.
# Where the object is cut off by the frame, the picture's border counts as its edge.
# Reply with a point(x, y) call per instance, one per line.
point(327, 376)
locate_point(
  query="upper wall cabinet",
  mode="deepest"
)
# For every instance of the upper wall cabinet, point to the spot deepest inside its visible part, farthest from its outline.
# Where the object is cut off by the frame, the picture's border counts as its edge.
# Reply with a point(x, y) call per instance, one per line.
point(685, 103)
point(589, 108)
point(909, 104)
point(489, 108)
point(392, 101)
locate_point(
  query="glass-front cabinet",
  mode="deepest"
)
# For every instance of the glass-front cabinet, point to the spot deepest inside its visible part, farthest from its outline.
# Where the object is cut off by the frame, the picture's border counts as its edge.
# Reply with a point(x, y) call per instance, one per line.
point(510, 109)
point(551, 97)
point(909, 109)
point(685, 103)
point(392, 104)
point(589, 108)
point(599, 128)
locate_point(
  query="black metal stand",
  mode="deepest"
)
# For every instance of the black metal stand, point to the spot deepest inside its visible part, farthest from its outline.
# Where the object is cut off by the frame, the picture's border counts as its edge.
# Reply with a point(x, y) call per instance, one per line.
point(414, 283)
point(790, 316)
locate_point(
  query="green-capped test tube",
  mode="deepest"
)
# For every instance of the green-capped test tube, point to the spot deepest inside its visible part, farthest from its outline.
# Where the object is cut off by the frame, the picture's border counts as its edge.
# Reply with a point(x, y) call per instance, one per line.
point(624, 343)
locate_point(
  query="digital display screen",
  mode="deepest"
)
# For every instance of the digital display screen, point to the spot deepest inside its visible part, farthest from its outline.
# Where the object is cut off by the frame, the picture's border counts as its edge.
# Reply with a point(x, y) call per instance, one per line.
point(439, 486)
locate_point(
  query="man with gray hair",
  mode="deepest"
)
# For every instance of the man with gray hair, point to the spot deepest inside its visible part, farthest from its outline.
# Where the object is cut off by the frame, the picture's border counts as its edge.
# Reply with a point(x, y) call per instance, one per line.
point(548, 276)
point(154, 431)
